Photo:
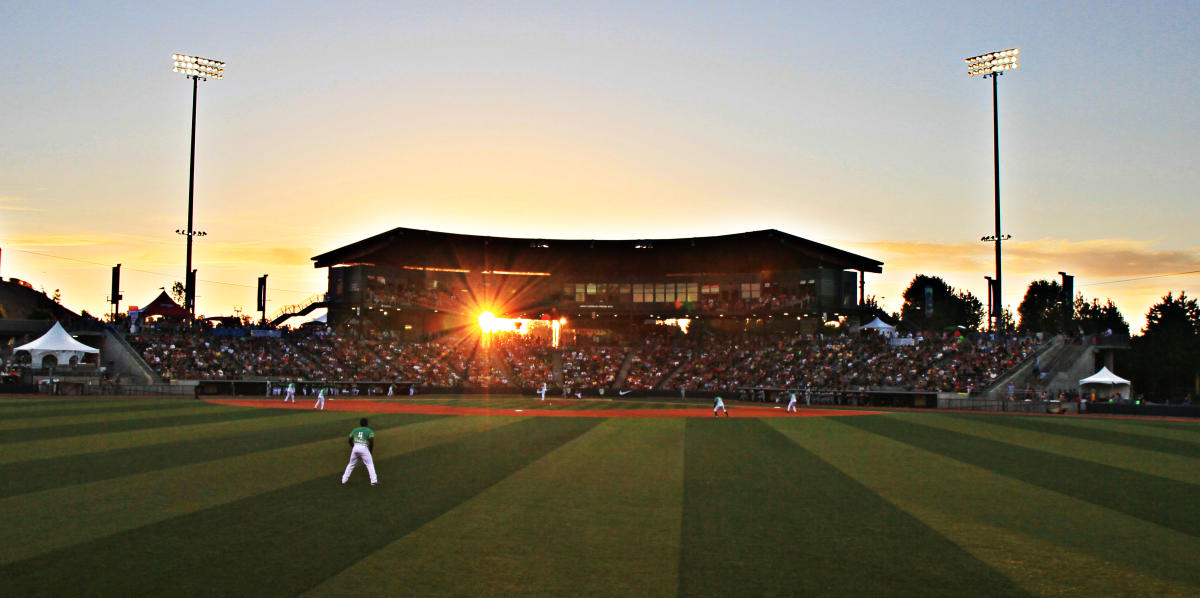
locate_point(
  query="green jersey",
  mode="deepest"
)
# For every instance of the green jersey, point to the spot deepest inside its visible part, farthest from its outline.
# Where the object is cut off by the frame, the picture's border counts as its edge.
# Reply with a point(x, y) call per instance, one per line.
point(362, 435)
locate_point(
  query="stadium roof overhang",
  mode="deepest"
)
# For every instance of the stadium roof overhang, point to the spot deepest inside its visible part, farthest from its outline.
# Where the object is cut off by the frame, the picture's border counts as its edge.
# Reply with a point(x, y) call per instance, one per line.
point(756, 251)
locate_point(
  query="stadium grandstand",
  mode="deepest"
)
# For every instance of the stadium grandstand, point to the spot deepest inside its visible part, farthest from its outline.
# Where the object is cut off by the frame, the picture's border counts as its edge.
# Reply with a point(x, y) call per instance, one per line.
point(427, 282)
point(751, 315)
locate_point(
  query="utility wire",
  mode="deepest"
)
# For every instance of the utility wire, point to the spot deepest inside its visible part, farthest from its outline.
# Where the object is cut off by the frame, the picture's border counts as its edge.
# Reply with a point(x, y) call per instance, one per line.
point(1096, 284)
point(231, 284)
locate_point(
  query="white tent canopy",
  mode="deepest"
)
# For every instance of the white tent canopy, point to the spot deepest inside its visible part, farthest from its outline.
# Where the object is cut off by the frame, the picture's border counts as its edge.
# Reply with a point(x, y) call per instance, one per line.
point(1104, 376)
point(878, 324)
point(58, 343)
point(883, 327)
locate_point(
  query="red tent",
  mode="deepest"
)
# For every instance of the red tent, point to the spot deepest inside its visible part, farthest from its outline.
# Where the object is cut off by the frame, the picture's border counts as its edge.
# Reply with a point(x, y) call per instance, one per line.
point(164, 306)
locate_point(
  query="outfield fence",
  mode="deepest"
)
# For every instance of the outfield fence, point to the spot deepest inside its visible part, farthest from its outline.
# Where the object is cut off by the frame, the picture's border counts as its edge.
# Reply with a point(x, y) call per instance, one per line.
point(181, 390)
point(996, 403)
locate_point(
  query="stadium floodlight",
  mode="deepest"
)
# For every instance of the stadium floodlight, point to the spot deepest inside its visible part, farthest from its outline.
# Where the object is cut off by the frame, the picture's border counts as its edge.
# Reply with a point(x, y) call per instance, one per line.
point(197, 69)
point(992, 65)
point(993, 62)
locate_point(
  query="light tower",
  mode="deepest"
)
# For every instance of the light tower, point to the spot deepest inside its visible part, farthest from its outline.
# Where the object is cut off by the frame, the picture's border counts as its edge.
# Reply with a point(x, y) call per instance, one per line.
point(197, 69)
point(992, 65)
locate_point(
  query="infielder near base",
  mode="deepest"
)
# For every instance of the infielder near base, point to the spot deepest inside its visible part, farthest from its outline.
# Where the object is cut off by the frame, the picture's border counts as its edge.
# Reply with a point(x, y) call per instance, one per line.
point(362, 443)
point(719, 404)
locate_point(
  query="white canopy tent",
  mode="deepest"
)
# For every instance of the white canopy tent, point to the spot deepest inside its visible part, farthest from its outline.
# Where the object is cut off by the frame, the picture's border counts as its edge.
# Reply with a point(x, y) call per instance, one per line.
point(1105, 383)
point(881, 326)
point(59, 344)
point(1104, 376)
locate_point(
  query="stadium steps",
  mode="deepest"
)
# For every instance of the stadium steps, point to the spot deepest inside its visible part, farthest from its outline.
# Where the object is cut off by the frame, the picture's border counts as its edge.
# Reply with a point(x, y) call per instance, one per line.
point(1022, 376)
point(1070, 364)
point(300, 309)
point(619, 379)
point(126, 361)
point(662, 385)
point(501, 364)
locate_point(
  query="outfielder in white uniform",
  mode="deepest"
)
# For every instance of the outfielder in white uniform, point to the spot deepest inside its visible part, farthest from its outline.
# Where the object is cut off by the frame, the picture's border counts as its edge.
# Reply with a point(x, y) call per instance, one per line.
point(792, 402)
point(362, 443)
point(320, 399)
point(719, 404)
point(543, 391)
point(291, 393)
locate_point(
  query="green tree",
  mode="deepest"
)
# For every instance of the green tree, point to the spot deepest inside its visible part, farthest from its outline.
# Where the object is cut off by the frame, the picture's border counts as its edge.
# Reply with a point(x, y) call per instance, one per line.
point(1044, 308)
point(178, 292)
point(931, 304)
point(1093, 318)
point(1165, 360)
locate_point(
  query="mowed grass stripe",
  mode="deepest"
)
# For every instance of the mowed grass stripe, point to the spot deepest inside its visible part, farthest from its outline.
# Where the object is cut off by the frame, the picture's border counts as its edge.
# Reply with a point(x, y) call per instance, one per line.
point(43, 474)
point(18, 402)
point(599, 516)
point(1171, 466)
point(96, 406)
point(85, 512)
point(102, 414)
point(1191, 426)
point(1137, 494)
point(1049, 544)
point(1185, 431)
point(762, 516)
point(1145, 439)
point(49, 448)
point(200, 415)
point(287, 541)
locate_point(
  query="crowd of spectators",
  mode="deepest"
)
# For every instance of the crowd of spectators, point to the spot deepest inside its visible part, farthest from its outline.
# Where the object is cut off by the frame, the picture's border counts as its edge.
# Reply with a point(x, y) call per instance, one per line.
point(591, 367)
point(661, 358)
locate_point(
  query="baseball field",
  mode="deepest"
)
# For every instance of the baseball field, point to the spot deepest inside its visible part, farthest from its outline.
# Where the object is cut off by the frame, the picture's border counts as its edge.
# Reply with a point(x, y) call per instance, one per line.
point(127, 497)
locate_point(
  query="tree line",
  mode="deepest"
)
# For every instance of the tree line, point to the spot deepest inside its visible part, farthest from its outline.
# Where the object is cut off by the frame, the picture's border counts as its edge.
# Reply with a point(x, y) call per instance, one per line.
point(1163, 362)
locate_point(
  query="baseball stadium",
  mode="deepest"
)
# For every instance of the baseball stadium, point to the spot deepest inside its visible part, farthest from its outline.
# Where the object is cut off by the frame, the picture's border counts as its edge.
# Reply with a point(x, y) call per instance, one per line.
point(709, 416)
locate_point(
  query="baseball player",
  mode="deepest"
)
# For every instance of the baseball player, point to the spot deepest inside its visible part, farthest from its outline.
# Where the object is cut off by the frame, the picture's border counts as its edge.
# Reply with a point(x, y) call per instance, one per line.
point(792, 402)
point(291, 393)
point(320, 399)
point(543, 391)
point(719, 404)
point(362, 443)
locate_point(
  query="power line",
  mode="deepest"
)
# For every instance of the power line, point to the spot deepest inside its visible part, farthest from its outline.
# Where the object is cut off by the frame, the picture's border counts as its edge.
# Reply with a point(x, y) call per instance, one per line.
point(71, 259)
point(1096, 284)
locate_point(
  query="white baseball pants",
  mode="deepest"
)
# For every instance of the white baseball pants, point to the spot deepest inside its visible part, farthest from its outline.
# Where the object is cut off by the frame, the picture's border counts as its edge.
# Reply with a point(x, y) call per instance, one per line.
point(360, 452)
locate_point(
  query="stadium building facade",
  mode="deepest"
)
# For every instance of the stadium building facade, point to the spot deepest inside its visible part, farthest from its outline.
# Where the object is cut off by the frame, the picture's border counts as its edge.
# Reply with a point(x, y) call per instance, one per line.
point(425, 282)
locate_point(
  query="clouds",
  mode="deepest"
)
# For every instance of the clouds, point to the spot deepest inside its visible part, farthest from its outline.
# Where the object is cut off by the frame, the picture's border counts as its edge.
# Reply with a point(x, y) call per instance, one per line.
point(16, 204)
point(1132, 272)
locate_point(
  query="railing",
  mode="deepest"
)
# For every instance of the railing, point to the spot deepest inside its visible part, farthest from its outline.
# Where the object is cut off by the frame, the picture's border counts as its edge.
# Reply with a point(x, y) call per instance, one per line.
point(997, 402)
point(297, 307)
point(155, 390)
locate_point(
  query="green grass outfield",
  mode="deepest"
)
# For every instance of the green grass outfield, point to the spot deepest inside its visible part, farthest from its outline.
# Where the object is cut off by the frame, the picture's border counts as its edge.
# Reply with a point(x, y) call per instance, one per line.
point(129, 497)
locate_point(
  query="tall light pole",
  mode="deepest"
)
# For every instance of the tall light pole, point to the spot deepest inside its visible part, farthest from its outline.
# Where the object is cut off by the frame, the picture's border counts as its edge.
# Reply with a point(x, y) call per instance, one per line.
point(197, 69)
point(992, 65)
point(991, 287)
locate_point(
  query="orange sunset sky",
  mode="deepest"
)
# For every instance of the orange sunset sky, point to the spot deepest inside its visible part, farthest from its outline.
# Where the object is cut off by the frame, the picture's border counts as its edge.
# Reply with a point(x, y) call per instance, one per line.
point(851, 124)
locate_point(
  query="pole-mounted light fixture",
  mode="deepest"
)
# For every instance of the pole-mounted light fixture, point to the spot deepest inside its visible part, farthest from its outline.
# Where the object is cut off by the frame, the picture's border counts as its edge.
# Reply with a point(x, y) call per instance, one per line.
point(194, 66)
point(992, 65)
point(993, 62)
point(197, 69)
